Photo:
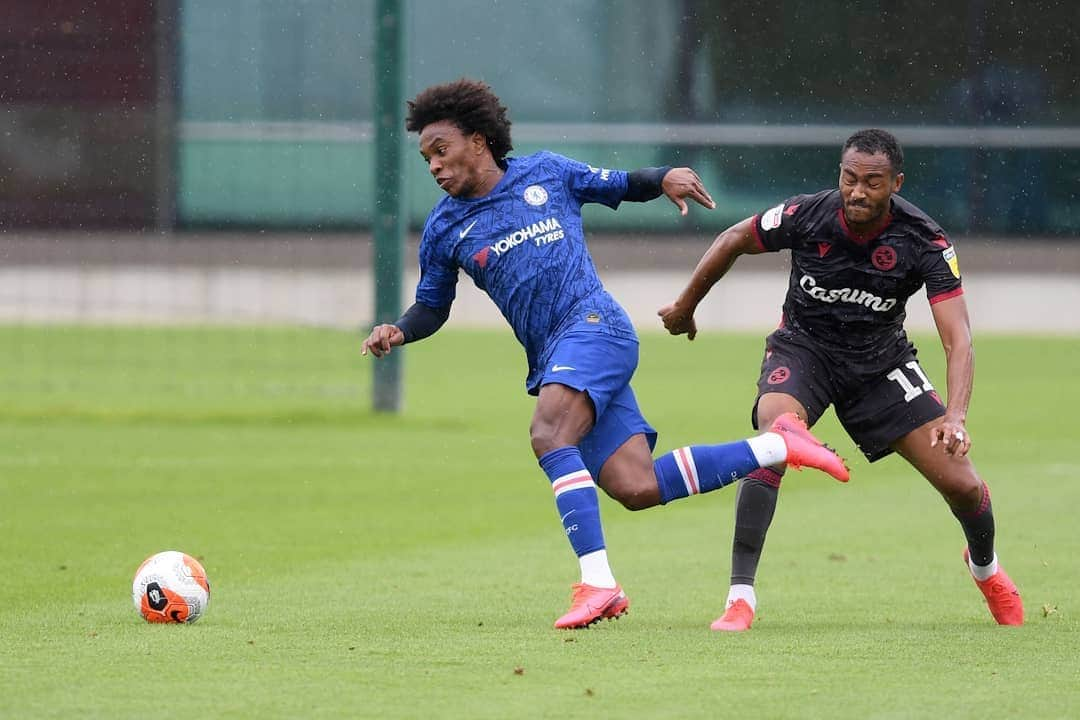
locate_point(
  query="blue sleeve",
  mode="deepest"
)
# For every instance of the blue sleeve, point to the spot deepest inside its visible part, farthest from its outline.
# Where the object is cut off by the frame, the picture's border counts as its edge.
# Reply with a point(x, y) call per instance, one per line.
point(592, 184)
point(438, 273)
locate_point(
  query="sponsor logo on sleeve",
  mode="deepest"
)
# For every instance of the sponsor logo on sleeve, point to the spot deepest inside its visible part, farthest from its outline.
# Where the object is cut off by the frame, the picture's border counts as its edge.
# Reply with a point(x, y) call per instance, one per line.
point(771, 218)
point(949, 256)
point(604, 173)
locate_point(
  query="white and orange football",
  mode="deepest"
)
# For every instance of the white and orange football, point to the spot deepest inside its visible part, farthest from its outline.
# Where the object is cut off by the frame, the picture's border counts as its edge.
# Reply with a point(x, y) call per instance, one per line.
point(170, 587)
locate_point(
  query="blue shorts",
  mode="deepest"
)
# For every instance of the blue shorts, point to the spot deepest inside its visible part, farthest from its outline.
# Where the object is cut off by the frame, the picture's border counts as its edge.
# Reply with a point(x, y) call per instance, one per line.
point(601, 365)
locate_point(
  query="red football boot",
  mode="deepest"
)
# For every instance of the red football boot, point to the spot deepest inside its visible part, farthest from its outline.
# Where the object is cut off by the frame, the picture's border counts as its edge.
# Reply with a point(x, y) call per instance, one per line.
point(805, 450)
point(1001, 595)
point(592, 604)
point(738, 617)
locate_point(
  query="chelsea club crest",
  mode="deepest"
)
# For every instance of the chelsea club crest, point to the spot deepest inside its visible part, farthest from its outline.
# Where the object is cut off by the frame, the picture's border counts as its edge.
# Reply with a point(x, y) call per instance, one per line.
point(535, 195)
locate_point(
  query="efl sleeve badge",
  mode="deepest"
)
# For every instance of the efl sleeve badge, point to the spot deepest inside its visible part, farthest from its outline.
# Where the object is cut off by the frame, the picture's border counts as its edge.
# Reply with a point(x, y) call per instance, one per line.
point(949, 255)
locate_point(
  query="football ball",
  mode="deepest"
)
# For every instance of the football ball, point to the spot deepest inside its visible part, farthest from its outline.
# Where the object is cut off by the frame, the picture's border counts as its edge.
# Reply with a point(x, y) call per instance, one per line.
point(170, 587)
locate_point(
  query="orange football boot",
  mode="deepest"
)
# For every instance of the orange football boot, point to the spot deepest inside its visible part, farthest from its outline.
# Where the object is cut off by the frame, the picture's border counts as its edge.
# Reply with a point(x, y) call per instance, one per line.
point(805, 450)
point(592, 604)
point(738, 617)
point(1001, 595)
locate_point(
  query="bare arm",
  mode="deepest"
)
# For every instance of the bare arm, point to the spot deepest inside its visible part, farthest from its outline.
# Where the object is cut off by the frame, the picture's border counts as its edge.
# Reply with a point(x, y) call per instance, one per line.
point(737, 240)
point(954, 328)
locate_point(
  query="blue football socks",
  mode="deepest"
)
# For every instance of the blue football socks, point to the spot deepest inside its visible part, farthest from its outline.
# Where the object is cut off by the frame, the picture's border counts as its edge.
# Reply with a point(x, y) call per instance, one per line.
point(702, 468)
point(576, 499)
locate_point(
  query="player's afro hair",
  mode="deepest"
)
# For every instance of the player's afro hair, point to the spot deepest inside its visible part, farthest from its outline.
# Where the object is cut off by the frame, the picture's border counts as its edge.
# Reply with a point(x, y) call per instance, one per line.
point(470, 105)
point(874, 140)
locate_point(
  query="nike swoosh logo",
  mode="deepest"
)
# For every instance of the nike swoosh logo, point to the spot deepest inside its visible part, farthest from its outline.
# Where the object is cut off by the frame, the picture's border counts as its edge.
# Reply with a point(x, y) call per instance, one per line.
point(463, 233)
point(559, 368)
point(563, 518)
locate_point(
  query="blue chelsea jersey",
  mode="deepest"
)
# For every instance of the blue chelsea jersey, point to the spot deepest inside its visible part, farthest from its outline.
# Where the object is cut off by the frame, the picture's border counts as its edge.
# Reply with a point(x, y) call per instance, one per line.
point(524, 246)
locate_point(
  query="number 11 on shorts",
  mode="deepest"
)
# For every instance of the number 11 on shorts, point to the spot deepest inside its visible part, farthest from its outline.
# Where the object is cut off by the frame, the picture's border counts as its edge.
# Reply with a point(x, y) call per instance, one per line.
point(910, 390)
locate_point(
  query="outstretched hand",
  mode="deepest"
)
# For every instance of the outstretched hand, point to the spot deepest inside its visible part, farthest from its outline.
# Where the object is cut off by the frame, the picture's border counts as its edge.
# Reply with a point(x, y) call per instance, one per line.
point(682, 183)
point(952, 436)
point(678, 321)
point(381, 339)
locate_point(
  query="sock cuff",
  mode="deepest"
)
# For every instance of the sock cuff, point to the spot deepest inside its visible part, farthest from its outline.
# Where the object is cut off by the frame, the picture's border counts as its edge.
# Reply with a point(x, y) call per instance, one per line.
point(982, 573)
point(562, 460)
point(767, 476)
point(984, 505)
point(985, 502)
point(566, 470)
point(740, 591)
point(768, 449)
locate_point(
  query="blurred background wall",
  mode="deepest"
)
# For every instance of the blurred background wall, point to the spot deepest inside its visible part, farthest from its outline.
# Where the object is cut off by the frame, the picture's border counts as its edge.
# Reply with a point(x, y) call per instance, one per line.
point(257, 113)
point(212, 161)
point(79, 106)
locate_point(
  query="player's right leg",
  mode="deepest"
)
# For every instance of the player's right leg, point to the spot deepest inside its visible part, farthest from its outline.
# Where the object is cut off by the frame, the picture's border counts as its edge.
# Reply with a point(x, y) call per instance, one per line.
point(755, 506)
point(563, 415)
point(585, 369)
point(794, 378)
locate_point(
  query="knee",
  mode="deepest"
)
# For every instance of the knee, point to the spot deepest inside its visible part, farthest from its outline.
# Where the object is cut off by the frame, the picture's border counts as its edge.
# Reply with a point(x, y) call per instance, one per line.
point(965, 495)
point(550, 431)
point(543, 439)
point(636, 501)
point(633, 494)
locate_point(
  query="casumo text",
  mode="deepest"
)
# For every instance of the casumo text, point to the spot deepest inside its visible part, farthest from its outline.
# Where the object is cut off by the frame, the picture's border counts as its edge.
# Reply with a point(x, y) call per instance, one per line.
point(848, 295)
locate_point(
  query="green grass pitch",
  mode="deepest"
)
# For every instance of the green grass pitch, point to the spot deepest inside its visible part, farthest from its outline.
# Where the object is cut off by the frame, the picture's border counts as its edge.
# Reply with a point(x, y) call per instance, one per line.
point(411, 566)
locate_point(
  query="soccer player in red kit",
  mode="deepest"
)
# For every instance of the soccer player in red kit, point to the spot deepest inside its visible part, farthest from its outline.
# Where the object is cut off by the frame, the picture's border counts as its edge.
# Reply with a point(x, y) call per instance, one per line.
point(857, 254)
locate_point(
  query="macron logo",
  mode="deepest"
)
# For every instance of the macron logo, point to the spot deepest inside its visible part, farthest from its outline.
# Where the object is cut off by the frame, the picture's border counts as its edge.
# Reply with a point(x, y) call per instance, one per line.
point(560, 368)
point(463, 233)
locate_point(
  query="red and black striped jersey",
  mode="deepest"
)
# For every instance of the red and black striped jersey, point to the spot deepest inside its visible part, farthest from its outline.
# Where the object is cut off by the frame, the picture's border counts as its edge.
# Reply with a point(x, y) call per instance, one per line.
point(850, 292)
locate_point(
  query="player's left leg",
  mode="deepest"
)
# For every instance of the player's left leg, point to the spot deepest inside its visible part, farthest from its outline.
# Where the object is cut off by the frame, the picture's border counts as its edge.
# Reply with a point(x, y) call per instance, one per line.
point(895, 413)
point(969, 499)
point(630, 475)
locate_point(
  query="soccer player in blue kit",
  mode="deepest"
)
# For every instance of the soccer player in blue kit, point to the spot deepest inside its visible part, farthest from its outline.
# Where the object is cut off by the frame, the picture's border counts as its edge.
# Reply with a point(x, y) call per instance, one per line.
point(514, 226)
point(858, 252)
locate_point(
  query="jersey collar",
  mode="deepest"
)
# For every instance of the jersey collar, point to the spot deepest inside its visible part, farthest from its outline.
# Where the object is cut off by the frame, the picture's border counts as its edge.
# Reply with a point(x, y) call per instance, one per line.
point(865, 238)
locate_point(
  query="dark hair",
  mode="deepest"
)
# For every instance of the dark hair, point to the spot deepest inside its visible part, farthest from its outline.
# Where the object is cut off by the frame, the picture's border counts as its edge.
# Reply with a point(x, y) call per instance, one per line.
point(470, 105)
point(872, 141)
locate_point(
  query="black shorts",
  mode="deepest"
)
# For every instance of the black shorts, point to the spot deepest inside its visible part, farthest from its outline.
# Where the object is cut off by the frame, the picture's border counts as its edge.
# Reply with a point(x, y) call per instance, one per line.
point(877, 402)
